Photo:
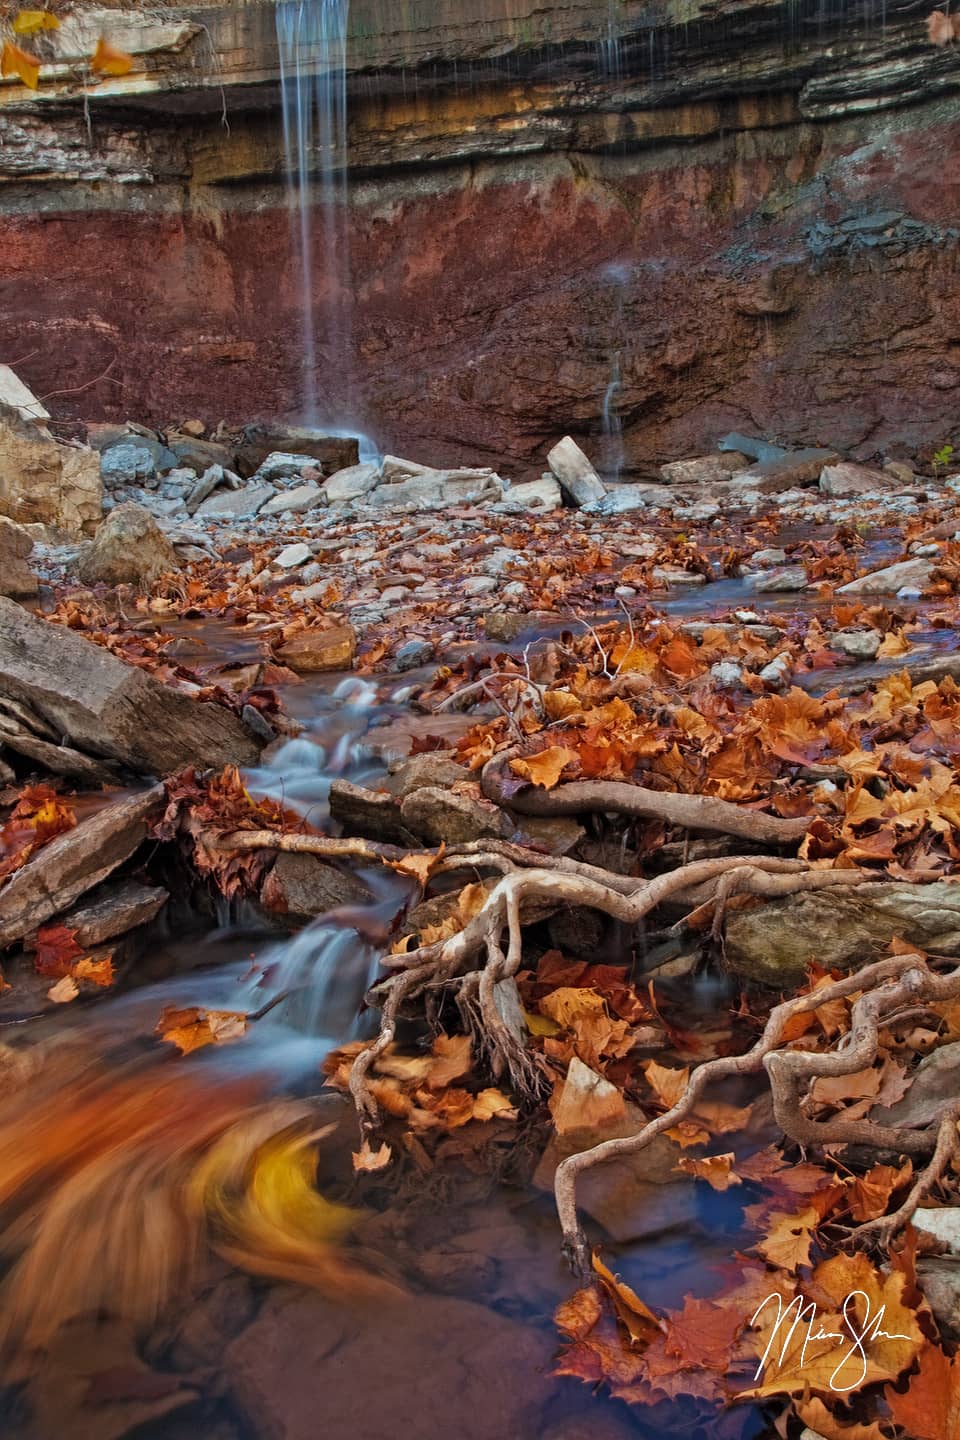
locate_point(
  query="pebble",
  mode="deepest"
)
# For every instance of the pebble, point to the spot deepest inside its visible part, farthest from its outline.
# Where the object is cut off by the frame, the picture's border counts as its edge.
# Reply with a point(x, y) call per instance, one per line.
point(794, 577)
point(293, 556)
point(858, 644)
point(413, 653)
point(479, 585)
point(727, 673)
point(779, 670)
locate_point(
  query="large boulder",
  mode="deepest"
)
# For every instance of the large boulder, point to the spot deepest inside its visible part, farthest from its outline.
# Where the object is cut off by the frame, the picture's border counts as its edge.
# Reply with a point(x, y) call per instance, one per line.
point(575, 473)
point(107, 708)
point(329, 452)
point(16, 578)
point(840, 928)
point(44, 482)
point(129, 549)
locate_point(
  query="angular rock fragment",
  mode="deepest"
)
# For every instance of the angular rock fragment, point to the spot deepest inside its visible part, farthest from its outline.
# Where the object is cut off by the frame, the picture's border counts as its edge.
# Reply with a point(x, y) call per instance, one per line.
point(235, 504)
point(575, 473)
point(16, 578)
point(43, 481)
point(848, 479)
point(840, 928)
point(303, 886)
point(703, 469)
point(330, 452)
point(74, 863)
point(352, 483)
point(912, 573)
point(129, 549)
point(439, 815)
point(108, 708)
point(796, 467)
point(114, 908)
point(543, 494)
point(313, 651)
point(374, 814)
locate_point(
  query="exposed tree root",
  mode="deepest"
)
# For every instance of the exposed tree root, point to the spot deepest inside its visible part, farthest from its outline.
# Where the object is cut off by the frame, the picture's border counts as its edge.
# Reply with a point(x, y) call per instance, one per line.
point(592, 797)
point(474, 965)
point(887, 986)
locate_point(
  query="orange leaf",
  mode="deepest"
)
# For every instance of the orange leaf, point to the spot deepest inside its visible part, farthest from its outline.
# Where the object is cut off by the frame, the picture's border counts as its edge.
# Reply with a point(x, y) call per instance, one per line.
point(193, 1028)
point(930, 1409)
point(28, 22)
point(668, 1084)
point(638, 1319)
point(108, 60)
point(545, 768)
point(789, 1239)
point(98, 972)
point(14, 61)
point(717, 1170)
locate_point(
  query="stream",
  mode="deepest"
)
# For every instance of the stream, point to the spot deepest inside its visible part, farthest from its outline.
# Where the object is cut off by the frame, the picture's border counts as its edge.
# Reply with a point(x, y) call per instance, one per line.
point(474, 1249)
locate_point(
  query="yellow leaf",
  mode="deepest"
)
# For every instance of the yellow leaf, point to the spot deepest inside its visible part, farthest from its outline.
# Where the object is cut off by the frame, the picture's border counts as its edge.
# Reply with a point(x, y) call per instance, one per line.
point(64, 990)
point(453, 1059)
point(28, 22)
point(14, 61)
point(108, 60)
point(366, 1159)
point(493, 1105)
point(540, 1024)
point(545, 768)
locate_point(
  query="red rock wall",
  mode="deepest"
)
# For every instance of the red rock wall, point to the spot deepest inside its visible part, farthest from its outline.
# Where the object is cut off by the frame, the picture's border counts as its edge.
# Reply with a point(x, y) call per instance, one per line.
point(490, 304)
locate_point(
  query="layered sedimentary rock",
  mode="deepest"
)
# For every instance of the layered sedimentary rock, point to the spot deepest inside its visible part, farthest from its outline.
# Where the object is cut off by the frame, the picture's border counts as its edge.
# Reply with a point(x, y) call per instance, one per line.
point(711, 216)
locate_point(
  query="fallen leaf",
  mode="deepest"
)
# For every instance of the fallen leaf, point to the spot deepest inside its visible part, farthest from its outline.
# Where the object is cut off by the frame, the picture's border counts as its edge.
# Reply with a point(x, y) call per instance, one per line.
point(717, 1170)
point(789, 1237)
point(930, 1407)
point(64, 991)
point(546, 767)
point(367, 1159)
point(19, 63)
point(28, 22)
point(639, 1320)
point(669, 1085)
point(108, 60)
point(192, 1028)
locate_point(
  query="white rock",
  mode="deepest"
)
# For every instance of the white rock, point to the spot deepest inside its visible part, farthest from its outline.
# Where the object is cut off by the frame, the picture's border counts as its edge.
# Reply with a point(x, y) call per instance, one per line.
point(847, 479)
point(889, 580)
point(479, 585)
point(727, 673)
point(575, 472)
point(542, 494)
point(236, 504)
point(858, 644)
point(664, 575)
point(281, 466)
point(295, 501)
point(351, 483)
point(943, 1223)
point(779, 670)
point(13, 392)
point(793, 577)
point(293, 556)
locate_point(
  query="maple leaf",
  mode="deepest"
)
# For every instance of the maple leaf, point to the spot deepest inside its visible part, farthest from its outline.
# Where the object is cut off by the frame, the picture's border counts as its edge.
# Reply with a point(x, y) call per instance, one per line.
point(702, 1335)
point(420, 865)
point(717, 1170)
point(789, 1238)
point(366, 1159)
point(492, 1104)
point(546, 767)
point(98, 972)
point(192, 1028)
point(28, 22)
point(638, 1319)
point(930, 1407)
point(453, 1059)
point(19, 63)
point(870, 1194)
point(57, 950)
point(108, 60)
point(825, 1423)
point(942, 28)
point(669, 1085)
point(584, 1012)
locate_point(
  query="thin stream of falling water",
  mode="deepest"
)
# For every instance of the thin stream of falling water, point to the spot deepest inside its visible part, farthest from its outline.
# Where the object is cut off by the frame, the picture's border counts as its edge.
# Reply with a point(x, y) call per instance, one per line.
point(312, 41)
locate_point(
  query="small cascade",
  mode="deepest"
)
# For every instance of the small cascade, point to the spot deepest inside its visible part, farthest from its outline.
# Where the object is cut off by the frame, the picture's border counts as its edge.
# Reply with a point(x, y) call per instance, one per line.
point(612, 424)
point(611, 58)
point(312, 40)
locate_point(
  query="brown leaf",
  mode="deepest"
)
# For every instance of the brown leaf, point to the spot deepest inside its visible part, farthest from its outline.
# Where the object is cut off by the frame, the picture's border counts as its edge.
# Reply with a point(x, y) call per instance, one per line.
point(366, 1159)
point(930, 1408)
point(64, 991)
point(717, 1170)
point(669, 1085)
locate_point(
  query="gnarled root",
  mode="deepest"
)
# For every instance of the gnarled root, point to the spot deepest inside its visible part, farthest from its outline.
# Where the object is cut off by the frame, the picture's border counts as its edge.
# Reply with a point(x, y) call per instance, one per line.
point(886, 987)
point(477, 949)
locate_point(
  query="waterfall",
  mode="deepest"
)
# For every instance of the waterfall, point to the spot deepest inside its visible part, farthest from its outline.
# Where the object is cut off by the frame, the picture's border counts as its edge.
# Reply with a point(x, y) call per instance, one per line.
point(312, 41)
point(612, 424)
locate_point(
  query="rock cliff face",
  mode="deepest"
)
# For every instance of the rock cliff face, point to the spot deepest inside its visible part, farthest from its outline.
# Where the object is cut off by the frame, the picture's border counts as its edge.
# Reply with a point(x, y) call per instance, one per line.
point(709, 215)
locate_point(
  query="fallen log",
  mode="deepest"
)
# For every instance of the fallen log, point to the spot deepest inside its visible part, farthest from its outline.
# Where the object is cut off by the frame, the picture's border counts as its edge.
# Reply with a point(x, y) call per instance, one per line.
point(104, 707)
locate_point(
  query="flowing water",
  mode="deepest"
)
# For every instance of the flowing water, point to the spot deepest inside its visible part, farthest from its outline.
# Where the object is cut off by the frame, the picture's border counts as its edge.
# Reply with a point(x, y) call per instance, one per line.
point(312, 41)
